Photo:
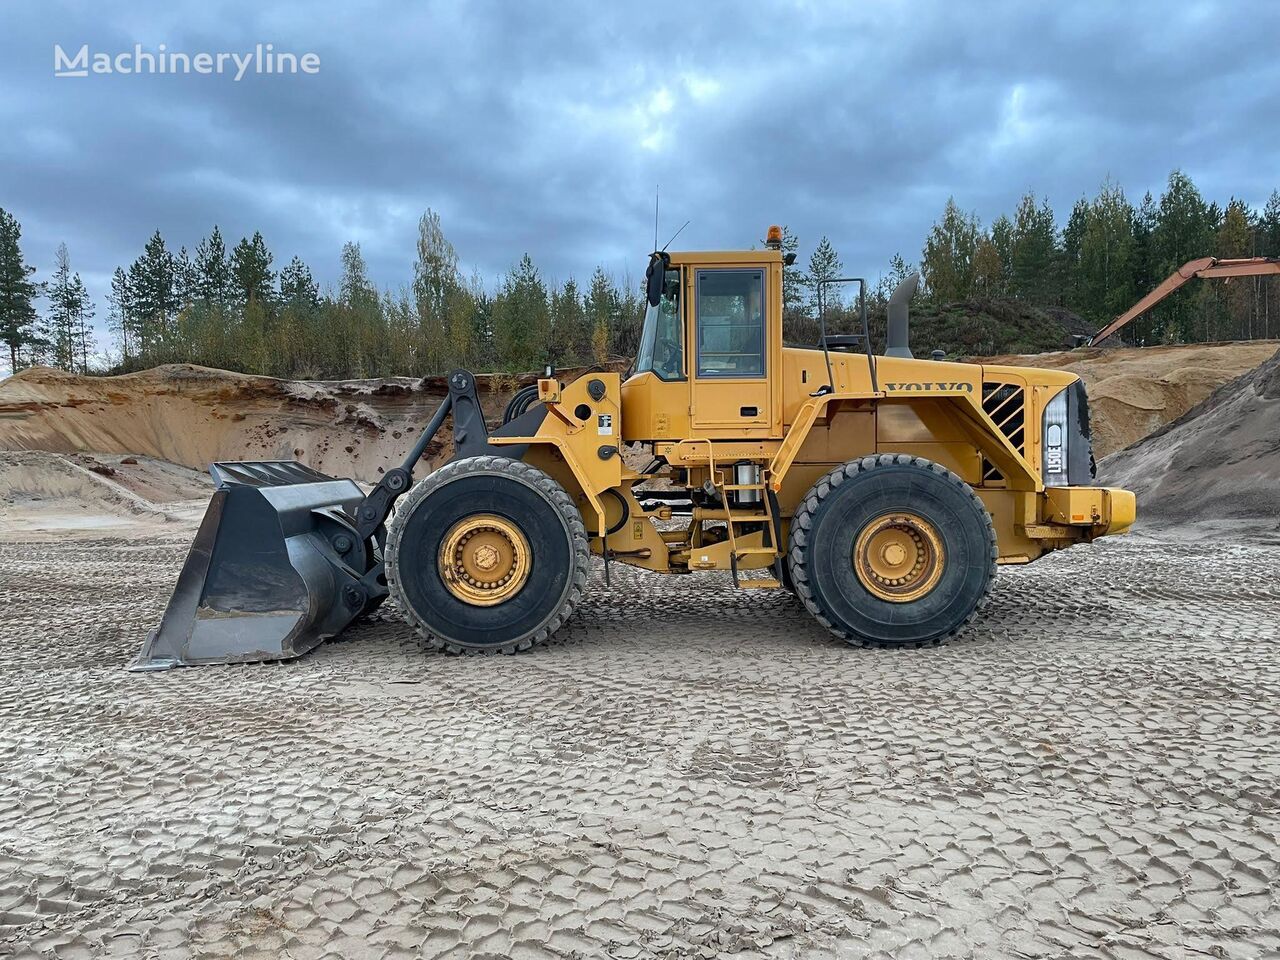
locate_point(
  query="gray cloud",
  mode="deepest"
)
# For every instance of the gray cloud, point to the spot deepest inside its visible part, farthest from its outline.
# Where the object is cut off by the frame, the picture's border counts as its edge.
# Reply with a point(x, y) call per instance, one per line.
point(545, 127)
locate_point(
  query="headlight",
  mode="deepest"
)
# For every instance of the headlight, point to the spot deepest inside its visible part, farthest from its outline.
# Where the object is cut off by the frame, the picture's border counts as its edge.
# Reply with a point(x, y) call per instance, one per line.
point(1053, 441)
point(1067, 459)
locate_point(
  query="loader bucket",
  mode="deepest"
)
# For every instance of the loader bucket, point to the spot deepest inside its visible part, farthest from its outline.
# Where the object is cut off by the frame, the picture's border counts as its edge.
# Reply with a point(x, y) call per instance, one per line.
point(275, 569)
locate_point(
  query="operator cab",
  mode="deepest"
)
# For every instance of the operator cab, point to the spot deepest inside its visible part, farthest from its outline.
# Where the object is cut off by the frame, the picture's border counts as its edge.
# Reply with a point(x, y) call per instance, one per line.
point(710, 355)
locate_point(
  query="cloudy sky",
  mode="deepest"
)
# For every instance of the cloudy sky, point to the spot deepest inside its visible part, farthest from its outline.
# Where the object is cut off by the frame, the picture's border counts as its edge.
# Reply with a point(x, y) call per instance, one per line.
point(545, 127)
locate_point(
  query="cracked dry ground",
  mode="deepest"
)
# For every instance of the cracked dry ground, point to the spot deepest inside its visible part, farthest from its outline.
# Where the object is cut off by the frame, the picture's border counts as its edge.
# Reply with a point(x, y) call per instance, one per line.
point(686, 771)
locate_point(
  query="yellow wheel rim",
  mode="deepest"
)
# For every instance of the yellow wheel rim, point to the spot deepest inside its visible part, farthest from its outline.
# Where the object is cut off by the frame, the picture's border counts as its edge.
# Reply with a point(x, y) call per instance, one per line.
point(484, 560)
point(899, 557)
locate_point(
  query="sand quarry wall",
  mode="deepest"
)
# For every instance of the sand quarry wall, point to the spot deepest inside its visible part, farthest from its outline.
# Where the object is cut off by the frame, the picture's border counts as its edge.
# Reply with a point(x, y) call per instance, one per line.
point(194, 415)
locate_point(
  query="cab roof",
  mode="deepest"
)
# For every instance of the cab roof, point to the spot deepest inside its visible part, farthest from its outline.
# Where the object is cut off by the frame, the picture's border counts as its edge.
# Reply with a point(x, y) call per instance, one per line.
point(725, 256)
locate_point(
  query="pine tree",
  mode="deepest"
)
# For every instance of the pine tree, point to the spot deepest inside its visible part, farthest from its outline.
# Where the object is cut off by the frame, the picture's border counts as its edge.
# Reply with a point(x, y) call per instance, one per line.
point(251, 271)
point(213, 269)
point(521, 318)
point(599, 307)
point(1235, 238)
point(824, 266)
point(898, 271)
point(186, 279)
point(120, 315)
point(481, 326)
point(83, 340)
point(354, 344)
point(1002, 240)
point(17, 293)
point(1144, 267)
point(1106, 257)
point(61, 325)
point(1035, 250)
point(1072, 239)
point(298, 288)
point(792, 277)
point(1269, 246)
point(1235, 233)
point(570, 335)
point(1183, 231)
point(1269, 227)
point(947, 260)
point(152, 291)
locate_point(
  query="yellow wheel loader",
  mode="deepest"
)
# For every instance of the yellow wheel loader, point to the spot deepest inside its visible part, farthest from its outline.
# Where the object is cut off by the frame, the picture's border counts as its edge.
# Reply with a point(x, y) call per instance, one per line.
point(883, 490)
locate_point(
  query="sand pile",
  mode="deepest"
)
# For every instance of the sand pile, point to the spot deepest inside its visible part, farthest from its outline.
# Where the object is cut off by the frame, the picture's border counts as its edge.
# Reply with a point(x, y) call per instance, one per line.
point(194, 415)
point(1133, 391)
point(88, 495)
point(1221, 459)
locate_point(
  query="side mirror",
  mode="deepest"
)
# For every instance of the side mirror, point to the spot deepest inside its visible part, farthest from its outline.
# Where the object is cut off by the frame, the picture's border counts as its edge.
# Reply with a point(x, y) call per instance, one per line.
point(654, 276)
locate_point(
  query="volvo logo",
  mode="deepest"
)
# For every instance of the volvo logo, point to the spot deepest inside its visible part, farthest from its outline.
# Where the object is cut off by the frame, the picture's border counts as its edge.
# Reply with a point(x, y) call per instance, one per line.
point(952, 386)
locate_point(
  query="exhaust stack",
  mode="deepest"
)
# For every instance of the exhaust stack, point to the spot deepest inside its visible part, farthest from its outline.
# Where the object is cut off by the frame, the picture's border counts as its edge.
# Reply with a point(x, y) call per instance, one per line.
point(897, 342)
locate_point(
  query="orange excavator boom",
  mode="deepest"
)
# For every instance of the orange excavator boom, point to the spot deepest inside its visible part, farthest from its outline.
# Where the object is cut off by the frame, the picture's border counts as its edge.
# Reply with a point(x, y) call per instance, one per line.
point(1205, 268)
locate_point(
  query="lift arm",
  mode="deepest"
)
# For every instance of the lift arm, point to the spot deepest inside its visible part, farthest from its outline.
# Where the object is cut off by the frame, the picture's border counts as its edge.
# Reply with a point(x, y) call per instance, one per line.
point(1205, 268)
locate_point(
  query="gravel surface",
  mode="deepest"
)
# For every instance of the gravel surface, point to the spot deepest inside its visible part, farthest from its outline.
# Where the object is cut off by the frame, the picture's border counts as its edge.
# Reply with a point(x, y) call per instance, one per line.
point(686, 771)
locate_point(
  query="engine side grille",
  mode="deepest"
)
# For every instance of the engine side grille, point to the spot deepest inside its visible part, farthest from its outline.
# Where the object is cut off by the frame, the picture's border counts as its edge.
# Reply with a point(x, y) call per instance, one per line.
point(1005, 403)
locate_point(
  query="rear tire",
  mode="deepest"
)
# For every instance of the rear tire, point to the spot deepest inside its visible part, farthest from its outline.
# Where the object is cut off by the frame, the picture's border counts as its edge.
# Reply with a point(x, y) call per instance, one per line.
point(529, 529)
point(892, 551)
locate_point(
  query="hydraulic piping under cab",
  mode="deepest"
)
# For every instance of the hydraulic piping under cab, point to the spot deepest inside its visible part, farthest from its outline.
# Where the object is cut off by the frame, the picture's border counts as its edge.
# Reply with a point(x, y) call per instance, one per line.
point(881, 490)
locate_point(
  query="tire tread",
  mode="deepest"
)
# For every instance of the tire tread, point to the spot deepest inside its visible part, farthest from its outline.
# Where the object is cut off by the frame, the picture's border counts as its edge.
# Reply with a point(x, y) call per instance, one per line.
point(529, 475)
point(802, 525)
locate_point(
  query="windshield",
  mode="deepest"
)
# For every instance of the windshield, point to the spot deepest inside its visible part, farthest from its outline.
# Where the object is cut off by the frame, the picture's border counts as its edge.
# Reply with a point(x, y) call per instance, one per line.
point(662, 338)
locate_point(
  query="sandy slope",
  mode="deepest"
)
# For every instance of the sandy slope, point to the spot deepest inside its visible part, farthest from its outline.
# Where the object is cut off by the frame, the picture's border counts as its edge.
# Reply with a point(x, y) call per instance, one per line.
point(1133, 391)
point(82, 495)
point(194, 415)
point(1220, 459)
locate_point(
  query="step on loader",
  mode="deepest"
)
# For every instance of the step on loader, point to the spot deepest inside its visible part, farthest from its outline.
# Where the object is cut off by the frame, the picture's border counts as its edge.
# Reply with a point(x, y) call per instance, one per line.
point(882, 490)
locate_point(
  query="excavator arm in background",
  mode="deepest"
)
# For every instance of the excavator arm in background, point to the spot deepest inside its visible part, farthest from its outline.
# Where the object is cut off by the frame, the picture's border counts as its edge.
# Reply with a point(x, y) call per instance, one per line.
point(1205, 268)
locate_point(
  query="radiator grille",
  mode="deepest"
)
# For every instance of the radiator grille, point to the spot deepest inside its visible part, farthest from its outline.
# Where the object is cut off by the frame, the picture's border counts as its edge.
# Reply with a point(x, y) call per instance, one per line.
point(1005, 403)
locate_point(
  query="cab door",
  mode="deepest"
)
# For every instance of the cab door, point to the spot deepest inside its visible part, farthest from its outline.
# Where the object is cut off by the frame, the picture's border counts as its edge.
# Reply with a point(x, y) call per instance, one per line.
point(730, 356)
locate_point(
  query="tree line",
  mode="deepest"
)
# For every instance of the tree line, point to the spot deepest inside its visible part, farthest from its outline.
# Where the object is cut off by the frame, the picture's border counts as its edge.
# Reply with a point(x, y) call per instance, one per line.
point(1109, 254)
point(233, 308)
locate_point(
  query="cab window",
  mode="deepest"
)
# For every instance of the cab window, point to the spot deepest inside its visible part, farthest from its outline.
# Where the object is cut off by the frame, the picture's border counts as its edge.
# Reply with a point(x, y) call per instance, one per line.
point(662, 336)
point(730, 306)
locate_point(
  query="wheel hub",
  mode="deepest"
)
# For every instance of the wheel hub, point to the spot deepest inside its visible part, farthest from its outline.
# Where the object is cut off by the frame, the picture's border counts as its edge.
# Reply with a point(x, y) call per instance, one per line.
point(484, 560)
point(899, 557)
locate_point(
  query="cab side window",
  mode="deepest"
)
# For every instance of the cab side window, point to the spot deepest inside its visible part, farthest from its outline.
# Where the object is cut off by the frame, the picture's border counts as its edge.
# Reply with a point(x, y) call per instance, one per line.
point(730, 318)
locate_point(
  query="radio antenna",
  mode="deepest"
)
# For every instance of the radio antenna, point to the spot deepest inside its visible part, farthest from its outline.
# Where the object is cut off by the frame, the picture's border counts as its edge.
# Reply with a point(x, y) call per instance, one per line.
point(676, 234)
point(655, 215)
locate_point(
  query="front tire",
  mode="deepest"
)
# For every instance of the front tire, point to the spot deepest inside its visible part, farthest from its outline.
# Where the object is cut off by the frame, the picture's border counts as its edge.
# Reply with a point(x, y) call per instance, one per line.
point(487, 555)
point(892, 551)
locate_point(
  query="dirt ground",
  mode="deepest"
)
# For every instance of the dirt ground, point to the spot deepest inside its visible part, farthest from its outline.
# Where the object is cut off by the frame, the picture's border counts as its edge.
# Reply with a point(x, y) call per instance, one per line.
point(686, 771)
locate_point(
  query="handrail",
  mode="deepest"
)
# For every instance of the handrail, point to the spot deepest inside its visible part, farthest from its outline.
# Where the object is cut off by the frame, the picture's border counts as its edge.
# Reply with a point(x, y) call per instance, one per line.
point(866, 329)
